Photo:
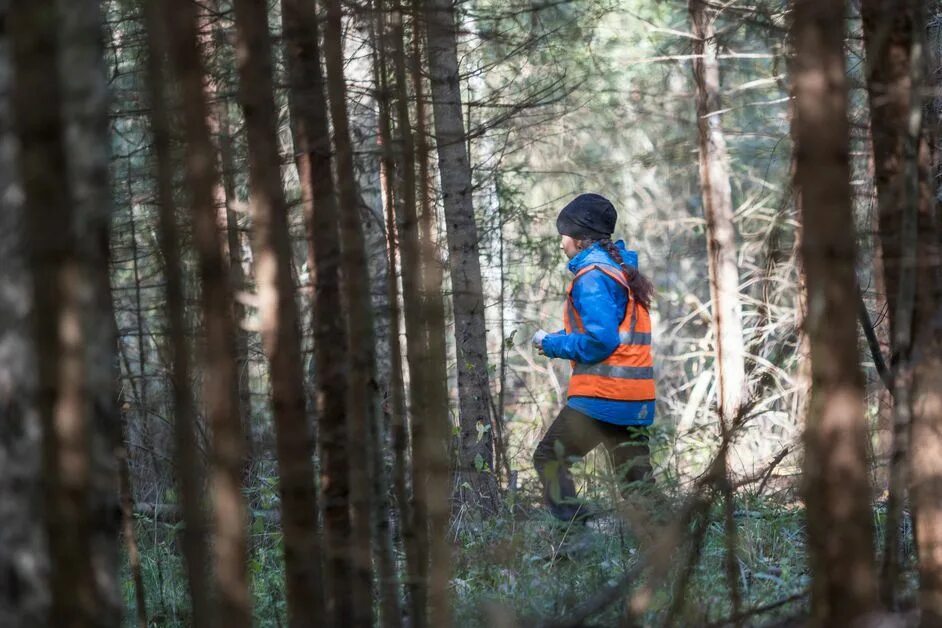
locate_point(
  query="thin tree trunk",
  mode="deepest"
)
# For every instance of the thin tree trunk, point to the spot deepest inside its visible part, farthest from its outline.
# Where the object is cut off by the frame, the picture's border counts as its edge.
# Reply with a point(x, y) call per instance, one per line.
point(279, 317)
point(721, 249)
point(836, 482)
point(188, 476)
point(130, 538)
point(391, 613)
point(718, 211)
point(308, 108)
point(221, 393)
point(417, 349)
point(24, 593)
point(475, 454)
point(212, 41)
point(363, 394)
point(58, 327)
point(431, 432)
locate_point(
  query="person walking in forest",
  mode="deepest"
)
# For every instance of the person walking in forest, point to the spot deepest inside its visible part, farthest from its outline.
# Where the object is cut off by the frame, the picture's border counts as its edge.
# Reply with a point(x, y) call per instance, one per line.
point(607, 337)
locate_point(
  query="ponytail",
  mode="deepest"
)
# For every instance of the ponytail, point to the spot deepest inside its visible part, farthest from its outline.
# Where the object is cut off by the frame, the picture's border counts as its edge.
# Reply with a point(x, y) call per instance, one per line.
point(641, 288)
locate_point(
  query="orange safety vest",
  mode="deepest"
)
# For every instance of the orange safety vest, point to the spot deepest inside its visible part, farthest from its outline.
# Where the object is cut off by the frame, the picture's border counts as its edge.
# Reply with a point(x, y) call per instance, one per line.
point(628, 373)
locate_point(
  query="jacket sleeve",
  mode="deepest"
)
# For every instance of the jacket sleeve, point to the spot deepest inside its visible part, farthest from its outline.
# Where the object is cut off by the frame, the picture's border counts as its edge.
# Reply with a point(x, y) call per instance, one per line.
point(596, 297)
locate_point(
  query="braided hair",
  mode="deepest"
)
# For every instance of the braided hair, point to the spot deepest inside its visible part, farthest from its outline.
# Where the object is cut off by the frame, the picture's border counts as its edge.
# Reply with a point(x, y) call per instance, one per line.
point(641, 287)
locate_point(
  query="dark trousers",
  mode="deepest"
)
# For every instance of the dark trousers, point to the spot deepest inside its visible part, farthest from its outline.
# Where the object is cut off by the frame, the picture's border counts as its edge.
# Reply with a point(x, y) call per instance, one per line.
point(573, 435)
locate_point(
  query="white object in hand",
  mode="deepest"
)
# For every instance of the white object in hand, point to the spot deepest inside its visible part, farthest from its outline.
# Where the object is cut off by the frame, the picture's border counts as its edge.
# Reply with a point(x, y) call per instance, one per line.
point(537, 339)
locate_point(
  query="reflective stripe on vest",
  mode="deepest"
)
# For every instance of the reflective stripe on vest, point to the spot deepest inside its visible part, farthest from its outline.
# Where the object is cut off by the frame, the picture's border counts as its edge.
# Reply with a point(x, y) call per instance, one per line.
point(628, 373)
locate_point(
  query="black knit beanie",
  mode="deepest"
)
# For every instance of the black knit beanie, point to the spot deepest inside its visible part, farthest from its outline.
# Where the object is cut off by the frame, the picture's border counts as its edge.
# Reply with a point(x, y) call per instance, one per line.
point(589, 216)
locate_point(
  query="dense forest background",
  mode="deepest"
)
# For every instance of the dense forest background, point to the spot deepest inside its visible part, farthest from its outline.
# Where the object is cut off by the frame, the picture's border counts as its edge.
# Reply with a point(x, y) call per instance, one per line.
point(269, 272)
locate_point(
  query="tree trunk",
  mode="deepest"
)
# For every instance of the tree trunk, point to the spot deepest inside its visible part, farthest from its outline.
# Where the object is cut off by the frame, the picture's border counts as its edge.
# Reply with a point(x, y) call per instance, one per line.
point(836, 482)
point(475, 456)
point(925, 353)
point(394, 406)
point(221, 394)
point(61, 285)
point(414, 529)
point(212, 41)
point(363, 394)
point(431, 432)
point(188, 476)
point(888, 31)
point(718, 211)
point(279, 317)
point(88, 144)
point(24, 595)
point(308, 108)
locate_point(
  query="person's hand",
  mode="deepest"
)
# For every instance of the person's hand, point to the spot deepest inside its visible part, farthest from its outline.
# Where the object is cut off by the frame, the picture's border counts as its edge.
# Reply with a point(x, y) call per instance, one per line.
point(537, 341)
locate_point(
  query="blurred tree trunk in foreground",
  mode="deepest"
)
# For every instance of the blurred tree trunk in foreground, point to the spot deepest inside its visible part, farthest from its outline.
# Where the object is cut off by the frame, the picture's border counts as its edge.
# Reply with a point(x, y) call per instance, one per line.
point(888, 33)
point(432, 433)
point(233, 604)
point(24, 594)
point(309, 127)
point(278, 312)
point(836, 487)
point(88, 151)
point(475, 456)
point(63, 212)
point(920, 239)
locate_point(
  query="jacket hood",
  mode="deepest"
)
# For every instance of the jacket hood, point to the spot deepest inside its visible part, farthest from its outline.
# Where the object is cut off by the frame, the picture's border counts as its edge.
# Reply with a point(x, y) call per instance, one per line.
point(595, 254)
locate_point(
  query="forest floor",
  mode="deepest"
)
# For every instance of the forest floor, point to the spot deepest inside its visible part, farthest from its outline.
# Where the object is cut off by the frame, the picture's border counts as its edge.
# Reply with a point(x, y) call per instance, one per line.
point(522, 567)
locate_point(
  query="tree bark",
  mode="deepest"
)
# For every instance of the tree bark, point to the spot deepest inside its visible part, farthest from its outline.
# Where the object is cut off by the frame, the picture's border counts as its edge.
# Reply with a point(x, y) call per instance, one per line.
point(188, 471)
point(718, 211)
point(363, 393)
point(475, 455)
point(394, 405)
point(414, 529)
point(221, 394)
point(431, 432)
point(309, 126)
point(212, 41)
point(61, 285)
point(925, 353)
point(24, 568)
point(279, 316)
point(888, 31)
point(836, 482)
point(87, 143)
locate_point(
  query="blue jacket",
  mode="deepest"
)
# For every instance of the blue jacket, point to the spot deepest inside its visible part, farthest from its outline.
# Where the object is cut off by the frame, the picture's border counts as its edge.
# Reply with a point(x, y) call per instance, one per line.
point(601, 303)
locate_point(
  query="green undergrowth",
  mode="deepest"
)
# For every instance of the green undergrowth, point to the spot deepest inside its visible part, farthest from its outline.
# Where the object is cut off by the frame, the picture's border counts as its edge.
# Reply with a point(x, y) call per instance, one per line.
point(521, 566)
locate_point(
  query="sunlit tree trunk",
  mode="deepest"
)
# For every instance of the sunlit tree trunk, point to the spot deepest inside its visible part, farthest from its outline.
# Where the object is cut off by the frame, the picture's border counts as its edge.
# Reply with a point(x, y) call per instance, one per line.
point(836, 482)
point(718, 211)
point(188, 470)
point(212, 40)
point(279, 316)
point(363, 393)
point(61, 285)
point(308, 108)
point(24, 595)
point(233, 607)
point(475, 456)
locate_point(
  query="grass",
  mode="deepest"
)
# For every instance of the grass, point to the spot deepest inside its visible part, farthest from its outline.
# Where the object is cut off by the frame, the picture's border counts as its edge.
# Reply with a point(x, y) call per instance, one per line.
point(515, 566)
